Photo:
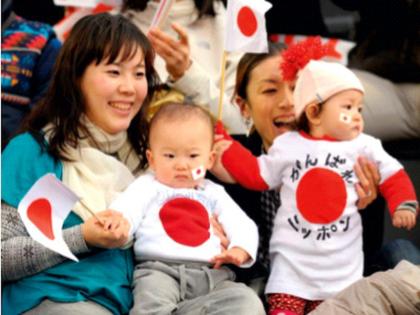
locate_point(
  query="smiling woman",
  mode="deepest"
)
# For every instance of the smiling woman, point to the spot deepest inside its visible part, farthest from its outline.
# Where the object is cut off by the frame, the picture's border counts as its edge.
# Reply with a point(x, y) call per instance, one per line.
point(114, 92)
point(90, 131)
point(263, 96)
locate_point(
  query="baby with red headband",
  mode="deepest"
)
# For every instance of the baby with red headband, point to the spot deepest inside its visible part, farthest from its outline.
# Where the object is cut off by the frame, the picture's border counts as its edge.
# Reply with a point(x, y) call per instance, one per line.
point(316, 246)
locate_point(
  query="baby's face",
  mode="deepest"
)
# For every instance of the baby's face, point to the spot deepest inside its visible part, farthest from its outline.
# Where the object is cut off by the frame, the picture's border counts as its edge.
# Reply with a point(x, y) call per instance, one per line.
point(341, 115)
point(179, 148)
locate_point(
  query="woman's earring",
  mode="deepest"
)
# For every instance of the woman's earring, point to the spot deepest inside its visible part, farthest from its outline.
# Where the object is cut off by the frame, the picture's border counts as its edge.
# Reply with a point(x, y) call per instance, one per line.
point(248, 123)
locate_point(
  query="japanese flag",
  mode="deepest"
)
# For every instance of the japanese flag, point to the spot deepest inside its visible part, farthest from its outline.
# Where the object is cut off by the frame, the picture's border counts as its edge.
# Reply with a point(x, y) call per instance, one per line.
point(245, 27)
point(198, 172)
point(43, 210)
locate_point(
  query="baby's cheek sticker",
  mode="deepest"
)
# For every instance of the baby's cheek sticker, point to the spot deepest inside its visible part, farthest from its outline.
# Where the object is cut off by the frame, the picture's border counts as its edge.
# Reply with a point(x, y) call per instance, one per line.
point(198, 172)
point(345, 118)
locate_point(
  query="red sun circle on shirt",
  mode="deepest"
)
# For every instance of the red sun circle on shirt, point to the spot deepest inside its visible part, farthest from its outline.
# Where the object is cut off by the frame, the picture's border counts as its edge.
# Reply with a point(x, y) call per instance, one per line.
point(185, 221)
point(247, 21)
point(321, 196)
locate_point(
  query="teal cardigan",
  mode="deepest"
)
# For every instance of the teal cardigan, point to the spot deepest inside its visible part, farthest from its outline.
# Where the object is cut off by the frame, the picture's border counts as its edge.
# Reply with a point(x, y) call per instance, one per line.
point(102, 276)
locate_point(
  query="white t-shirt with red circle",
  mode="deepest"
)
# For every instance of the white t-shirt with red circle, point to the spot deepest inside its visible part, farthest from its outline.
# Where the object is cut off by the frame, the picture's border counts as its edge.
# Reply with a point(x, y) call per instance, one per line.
point(174, 224)
point(316, 246)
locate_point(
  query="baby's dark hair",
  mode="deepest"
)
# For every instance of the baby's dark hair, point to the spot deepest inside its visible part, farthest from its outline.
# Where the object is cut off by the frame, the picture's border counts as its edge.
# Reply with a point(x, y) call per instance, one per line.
point(180, 112)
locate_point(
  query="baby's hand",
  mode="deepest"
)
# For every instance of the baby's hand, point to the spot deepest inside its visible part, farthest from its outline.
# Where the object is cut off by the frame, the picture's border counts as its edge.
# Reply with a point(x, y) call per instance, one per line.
point(404, 219)
point(113, 221)
point(111, 233)
point(234, 255)
point(218, 169)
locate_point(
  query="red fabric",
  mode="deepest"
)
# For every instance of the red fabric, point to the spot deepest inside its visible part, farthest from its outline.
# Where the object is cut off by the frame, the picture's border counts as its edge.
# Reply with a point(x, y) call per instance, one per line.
point(397, 189)
point(321, 196)
point(243, 167)
point(286, 303)
point(185, 221)
point(297, 56)
point(240, 163)
point(40, 214)
point(220, 130)
point(324, 138)
point(281, 303)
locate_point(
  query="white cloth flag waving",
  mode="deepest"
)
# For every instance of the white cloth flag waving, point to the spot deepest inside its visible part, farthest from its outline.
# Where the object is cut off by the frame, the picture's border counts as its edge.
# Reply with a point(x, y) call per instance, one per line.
point(245, 29)
point(43, 210)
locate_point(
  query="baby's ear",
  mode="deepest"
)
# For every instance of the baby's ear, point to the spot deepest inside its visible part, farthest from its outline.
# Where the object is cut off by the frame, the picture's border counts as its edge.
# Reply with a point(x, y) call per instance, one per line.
point(212, 159)
point(150, 159)
point(312, 112)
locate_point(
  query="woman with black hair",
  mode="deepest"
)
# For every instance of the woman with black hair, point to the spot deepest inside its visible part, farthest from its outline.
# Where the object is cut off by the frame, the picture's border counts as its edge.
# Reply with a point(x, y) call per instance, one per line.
point(90, 130)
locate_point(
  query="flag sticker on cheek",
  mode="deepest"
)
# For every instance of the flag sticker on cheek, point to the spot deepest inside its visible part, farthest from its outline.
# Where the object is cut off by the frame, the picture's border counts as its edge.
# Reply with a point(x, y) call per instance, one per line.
point(198, 172)
point(345, 118)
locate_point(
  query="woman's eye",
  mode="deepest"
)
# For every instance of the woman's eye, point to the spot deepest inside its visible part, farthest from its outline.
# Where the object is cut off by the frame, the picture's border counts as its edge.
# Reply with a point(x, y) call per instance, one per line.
point(113, 72)
point(269, 91)
point(140, 74)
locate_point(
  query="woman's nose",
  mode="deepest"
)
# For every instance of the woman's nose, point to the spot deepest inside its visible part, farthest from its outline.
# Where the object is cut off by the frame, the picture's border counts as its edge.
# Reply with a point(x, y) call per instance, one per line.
point(126, 86)
point(286, 102)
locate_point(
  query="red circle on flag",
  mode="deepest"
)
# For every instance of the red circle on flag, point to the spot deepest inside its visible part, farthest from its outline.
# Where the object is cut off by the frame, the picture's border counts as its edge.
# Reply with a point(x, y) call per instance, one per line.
point(39, 212)
point(247, 21)
point(186, 221)
point(321, 196)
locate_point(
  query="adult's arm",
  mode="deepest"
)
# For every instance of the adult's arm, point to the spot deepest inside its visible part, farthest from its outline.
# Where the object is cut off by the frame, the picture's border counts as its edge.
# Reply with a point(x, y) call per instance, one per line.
point(21, 255)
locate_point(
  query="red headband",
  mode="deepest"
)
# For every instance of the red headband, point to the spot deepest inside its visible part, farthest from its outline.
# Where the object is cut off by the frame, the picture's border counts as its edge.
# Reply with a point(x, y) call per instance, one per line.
point(299, 54)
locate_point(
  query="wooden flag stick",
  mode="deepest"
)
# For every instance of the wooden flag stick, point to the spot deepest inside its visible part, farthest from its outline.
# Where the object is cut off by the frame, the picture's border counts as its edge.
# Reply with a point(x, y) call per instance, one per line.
point(91, 211)
point(222, 86)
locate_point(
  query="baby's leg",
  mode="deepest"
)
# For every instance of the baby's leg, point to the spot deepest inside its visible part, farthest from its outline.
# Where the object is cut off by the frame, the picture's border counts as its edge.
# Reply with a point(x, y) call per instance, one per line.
point(155, 289)
point(226, 298)
point(285, 304)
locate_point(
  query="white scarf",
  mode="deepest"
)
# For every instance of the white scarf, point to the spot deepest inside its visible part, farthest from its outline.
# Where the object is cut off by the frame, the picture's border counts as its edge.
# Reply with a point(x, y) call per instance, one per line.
point(98, 172)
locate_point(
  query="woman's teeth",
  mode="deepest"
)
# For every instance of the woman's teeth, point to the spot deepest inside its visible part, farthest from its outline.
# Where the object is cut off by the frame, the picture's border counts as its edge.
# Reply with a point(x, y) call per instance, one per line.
point(121, 106)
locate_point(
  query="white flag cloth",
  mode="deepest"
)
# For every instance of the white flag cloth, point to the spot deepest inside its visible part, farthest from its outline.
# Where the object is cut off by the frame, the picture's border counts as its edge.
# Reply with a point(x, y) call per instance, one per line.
point(43, 210)
point(245, 26)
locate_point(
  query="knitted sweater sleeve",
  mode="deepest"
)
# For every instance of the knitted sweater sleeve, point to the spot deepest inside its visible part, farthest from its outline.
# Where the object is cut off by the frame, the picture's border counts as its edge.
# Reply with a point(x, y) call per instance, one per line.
point(21, 255)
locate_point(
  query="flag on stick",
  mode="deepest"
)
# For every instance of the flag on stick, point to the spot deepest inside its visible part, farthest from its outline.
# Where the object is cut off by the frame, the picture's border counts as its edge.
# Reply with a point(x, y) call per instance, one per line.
point(161, 13)
point(245, 29)
point(43, 210)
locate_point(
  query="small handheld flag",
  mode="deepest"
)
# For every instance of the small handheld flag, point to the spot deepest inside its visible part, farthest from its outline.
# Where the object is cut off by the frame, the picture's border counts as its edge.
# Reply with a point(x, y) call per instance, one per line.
point(245, 29)
point(43, 210)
